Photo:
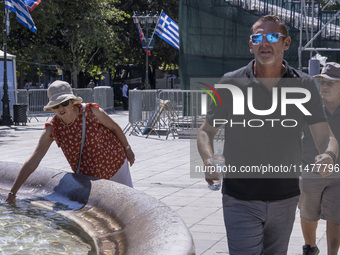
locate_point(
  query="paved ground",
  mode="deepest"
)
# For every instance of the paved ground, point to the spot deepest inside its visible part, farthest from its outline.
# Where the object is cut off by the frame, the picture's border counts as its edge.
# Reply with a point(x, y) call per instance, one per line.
point(162, 171)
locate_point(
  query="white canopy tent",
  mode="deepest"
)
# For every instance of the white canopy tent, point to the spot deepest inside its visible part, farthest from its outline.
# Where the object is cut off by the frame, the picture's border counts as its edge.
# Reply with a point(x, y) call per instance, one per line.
point(9, 56)
point(11, 61)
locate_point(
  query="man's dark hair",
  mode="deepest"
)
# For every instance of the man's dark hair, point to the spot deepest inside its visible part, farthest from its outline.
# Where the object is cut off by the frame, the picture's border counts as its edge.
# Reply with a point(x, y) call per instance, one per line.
point(275, 19)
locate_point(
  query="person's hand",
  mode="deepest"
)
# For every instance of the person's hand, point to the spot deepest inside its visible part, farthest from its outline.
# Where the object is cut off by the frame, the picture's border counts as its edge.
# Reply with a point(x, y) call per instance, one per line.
point(210, 176)
point(10, 198)
point(323, 164)
point(130, 156)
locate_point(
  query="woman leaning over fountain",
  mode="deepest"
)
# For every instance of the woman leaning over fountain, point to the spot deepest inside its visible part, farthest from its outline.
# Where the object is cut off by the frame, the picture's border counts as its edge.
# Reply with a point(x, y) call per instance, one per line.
point(106, 151)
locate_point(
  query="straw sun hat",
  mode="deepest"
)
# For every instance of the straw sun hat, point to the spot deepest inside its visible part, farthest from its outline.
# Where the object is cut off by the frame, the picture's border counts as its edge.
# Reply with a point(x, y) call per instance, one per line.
point(58, 92)
point(331, 71)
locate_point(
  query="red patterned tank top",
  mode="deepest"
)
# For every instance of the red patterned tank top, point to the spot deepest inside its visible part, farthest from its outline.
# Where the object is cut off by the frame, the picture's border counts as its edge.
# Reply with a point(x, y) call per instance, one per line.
point(103, 154)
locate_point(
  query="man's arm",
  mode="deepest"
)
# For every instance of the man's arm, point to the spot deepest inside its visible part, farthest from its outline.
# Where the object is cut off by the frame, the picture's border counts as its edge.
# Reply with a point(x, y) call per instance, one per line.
point(325, 143)
point(205, 145)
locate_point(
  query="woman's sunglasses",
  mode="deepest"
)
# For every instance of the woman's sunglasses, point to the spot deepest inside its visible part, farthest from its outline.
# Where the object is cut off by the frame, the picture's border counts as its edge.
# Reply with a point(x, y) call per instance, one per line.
point(271, 38)
point(64, 104)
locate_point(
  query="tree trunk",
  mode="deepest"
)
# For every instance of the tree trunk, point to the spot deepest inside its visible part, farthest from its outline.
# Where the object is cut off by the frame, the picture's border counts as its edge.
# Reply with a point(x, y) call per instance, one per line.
point(74, 78)
point(74, 73)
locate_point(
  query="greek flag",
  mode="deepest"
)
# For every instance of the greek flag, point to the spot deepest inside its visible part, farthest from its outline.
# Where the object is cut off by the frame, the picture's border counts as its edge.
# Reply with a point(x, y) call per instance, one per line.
point(167, 29)
point(23, 15)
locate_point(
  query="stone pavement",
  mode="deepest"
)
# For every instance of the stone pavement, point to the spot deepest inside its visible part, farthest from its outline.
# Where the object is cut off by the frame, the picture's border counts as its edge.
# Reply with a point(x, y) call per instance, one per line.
point(162, 171)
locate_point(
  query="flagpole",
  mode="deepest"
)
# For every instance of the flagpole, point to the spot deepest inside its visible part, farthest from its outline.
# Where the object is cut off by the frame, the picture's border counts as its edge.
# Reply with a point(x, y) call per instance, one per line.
point(146, 55)
point(159, 17)
point(6, 117)
point(146, 19)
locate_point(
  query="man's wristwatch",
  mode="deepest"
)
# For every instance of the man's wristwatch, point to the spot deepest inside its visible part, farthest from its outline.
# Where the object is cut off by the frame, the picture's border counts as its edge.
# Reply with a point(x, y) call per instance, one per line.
point(127, 147)
point(332, 155)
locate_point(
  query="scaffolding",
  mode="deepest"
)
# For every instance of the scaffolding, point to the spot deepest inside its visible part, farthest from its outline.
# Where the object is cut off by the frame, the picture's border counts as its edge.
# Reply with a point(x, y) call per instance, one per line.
point(323, 31)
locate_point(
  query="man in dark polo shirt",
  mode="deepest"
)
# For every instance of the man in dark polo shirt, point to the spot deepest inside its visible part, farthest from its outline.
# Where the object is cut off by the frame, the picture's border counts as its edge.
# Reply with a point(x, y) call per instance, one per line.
point(264, 107)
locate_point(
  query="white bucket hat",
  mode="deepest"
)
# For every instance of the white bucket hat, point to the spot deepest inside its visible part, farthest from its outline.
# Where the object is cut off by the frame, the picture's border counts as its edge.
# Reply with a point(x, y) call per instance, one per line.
point(331, 71)
point(58, 92)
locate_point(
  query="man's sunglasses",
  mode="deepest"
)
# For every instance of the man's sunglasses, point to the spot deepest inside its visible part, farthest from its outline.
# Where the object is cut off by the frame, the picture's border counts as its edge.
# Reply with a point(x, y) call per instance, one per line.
point(64, 104)
point(326, 82)
point(271, 38)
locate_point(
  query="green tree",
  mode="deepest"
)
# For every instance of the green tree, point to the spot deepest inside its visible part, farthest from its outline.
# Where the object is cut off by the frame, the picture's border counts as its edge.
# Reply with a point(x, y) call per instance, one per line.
point(70, 33)
point(89, 36)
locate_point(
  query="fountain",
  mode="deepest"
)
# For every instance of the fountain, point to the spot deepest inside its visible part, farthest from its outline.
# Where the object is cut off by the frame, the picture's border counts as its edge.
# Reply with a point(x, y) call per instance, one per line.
point(120, 220)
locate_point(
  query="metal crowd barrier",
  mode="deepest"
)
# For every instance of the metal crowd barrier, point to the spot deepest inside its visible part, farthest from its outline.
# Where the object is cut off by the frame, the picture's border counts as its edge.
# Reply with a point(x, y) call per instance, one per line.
point(85, 94)
point(36, 99)
point(170, 112)
point(21, 96)
point(141, 106)
point(189, 106)
point(104, 97)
